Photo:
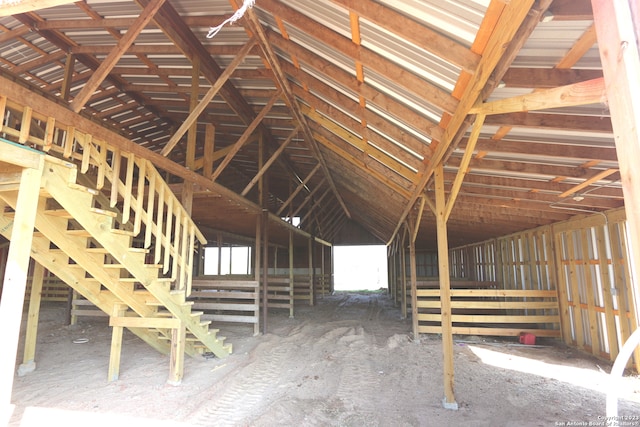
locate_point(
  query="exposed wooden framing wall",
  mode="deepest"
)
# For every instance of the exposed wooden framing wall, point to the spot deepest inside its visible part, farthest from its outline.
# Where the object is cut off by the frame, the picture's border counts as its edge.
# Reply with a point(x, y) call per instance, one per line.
point(585, 260)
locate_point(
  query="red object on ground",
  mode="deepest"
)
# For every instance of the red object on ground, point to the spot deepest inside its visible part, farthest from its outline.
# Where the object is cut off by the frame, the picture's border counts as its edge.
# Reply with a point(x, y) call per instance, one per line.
point(528, 339)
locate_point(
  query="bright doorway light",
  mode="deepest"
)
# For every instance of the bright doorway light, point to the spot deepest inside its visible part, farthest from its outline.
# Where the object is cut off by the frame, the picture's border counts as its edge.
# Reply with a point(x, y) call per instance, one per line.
point(360, 267)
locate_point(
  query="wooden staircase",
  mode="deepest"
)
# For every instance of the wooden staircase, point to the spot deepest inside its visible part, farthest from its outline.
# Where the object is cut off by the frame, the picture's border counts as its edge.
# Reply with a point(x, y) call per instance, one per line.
point(110, 227)
point(101, 262)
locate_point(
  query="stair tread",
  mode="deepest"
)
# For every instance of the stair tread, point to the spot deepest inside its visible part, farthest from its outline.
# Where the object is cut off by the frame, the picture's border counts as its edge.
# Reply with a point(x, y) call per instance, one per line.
point(76, 186)
point(81, 232)
point(97, 250)
point(139, 250)
point(122, 232)
point(62, 213)
point(104, 212)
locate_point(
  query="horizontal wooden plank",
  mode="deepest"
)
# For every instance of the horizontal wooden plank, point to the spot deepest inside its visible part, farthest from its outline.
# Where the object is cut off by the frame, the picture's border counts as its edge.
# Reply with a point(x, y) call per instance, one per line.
point(224, 306)
point(271, 283)
point(455, 283)
point(482, 318)
point(278, 288)
point(83, 302)
point(490, 293)
point(223, 284)
point(97, 313)
point(210, 293)
point(505, 332)
point(277, 305)
point(145, 322)
point(492, 305)
point(507, 293)
point(278, 297)
point(230, 318)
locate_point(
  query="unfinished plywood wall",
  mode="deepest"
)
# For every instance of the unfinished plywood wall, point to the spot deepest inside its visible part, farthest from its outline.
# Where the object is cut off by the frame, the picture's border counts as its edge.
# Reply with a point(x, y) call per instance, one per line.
point(584, 260)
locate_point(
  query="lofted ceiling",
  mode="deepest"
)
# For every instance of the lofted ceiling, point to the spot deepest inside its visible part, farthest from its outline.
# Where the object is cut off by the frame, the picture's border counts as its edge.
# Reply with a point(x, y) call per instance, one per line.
point(348, 105)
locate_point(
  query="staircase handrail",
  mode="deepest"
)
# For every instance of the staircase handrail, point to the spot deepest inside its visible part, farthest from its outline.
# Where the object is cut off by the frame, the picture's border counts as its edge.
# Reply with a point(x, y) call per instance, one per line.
point(139, 195)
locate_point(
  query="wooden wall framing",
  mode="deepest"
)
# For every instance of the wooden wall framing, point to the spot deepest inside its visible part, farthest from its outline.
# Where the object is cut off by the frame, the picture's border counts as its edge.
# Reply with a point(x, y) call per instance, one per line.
point(585, 260)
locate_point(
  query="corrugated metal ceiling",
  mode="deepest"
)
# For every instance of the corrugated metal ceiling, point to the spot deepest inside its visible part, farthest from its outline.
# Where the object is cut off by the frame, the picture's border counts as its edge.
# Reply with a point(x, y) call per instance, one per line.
point(374, 110)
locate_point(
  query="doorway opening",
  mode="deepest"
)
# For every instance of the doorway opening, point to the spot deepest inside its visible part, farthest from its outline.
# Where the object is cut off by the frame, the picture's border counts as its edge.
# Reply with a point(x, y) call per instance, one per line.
point(360, 268)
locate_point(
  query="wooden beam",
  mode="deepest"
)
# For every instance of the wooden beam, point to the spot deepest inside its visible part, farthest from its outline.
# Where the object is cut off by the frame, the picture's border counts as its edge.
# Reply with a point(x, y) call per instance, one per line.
point(387, 149)
point(300, 186)
point(539, 120)
point(144, 322)
point(114, 56)
point(67, 80)
point(362, 144)
point(463, 169)
point(579, 48)
point(15, 279)
point(371, 94)
point(368, 57)
point(209, 147)
point(282, 80)
point(416, 228)
point(582, 93)
point(360, 164)
point(186, 197)
point(308, 198)
point(616, 24)
point(245, 136)
point(571, 10)
point(547, 78)
point(180, 33)
point(588, 182)
point(24, 6)
point(29, 358)
point(269, 162)
point(178, 345)
point(511, 18)
point(412, 226)
point(204, 102)
point(116, 343)
point(449, 400)
point(406, 28)
point(19, 155)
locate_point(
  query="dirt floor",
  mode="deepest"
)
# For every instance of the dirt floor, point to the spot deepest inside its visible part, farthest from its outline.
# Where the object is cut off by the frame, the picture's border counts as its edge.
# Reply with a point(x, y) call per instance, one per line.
point(348, 361)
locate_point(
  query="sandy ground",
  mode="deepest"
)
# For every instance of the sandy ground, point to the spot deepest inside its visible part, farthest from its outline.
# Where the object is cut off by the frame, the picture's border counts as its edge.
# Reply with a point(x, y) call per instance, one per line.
point(348, 361)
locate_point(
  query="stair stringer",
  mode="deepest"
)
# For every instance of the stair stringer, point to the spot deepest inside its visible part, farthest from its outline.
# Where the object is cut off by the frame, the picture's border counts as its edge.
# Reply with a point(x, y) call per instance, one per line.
point(56, 261)
point(58, 181)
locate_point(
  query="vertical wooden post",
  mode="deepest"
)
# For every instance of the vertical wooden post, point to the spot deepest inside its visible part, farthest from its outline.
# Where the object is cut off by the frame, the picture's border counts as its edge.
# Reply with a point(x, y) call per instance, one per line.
point(322, 269)
point(414, 282)
point(311, 293)
point(15, 281)
point(265, 266)
point(209, 147)
point(257, 261)
point(449, 400)
point(291, 278)
point(178, 346)
point(616, 25)
point(219, 242)
point(190, 160)
point(67, 80)
point(403, 271)
point(394, 270)
point(116, 344)
point(28, 361)
point(331, 284)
